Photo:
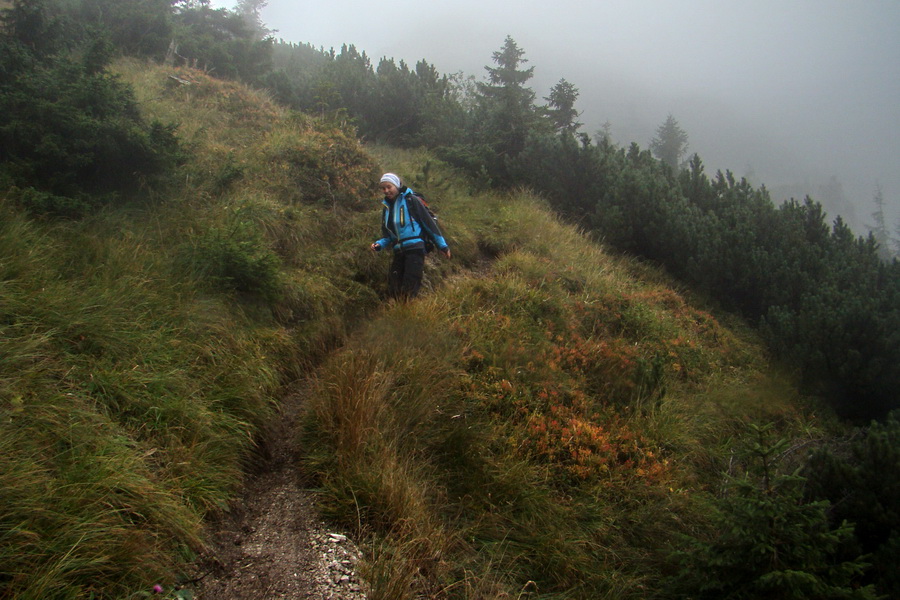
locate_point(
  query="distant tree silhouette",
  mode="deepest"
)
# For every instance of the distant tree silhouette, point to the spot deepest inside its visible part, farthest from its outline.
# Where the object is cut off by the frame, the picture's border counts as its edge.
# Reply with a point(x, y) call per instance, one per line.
point(250, 10)
point(879, 228)
point(604, 134)
point(506, 104)
point(561, 107)
point(897, 239)
point(670, 143)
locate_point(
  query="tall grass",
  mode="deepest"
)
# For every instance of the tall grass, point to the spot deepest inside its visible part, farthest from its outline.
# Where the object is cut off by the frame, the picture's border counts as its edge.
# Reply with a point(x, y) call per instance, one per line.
point(143, 347)
point(548, 423)
point(128, 403)
point(536, 425)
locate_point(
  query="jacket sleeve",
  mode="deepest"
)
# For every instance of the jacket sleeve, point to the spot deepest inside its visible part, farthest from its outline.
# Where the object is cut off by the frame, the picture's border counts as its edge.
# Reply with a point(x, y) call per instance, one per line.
point(385, 241)
point(421, 214)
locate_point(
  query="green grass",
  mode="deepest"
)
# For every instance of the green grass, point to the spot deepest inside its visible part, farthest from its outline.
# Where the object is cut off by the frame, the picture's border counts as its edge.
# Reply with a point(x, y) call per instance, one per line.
point(129, 399)
point(542, 422)
point(550, 422)
point(144, 347)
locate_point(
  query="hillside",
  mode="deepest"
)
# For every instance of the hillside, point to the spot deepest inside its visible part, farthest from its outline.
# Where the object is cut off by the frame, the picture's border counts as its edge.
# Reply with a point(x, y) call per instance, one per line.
point(548, 420)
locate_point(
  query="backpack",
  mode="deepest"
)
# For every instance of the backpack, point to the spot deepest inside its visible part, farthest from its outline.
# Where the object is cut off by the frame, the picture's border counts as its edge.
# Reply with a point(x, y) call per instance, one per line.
point(429, 245)
point(425, 204)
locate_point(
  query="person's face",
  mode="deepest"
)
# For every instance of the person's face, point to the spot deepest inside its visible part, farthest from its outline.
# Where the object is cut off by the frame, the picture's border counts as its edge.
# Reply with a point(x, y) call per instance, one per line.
point(389, 190)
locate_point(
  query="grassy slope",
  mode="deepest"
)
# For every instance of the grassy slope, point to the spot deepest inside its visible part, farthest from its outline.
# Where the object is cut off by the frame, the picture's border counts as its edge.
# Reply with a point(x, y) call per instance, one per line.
point(548, 424)
point(139, 357)
point(541, 417)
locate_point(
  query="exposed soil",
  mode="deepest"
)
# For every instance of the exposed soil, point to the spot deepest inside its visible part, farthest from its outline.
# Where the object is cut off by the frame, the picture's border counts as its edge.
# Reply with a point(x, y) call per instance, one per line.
point(271, 544)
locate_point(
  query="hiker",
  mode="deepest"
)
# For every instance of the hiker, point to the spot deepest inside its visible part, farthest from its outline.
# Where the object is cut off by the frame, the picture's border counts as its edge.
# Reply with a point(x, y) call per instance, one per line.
point(408, 227)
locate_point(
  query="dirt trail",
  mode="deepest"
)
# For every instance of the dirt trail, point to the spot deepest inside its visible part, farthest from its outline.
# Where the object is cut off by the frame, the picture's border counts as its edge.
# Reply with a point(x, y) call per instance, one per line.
point(271, 544)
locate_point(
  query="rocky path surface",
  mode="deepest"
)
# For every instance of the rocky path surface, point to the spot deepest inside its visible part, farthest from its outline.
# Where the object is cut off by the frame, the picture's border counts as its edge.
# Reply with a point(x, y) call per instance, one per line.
point(271, 544)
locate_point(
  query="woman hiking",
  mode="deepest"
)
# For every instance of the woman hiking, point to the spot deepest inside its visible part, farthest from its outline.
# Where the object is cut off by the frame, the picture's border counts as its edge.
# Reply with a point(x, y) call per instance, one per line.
point(406, 226)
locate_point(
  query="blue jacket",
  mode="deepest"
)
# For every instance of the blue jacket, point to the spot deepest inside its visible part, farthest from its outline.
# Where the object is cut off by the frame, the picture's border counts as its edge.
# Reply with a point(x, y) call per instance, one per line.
point(406, 223)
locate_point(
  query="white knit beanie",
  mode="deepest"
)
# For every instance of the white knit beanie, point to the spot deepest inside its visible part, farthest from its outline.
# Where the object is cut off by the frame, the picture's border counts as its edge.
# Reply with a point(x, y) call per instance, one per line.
point(391, 178)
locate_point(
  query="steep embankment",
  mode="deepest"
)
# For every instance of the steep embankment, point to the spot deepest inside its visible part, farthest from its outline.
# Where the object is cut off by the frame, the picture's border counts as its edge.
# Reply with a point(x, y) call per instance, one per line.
point(545, 419)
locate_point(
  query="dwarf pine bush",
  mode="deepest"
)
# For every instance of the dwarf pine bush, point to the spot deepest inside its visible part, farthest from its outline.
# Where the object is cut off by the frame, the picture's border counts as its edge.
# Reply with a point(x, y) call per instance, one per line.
point(851, 475)
point(71, 135)
point(767, 541)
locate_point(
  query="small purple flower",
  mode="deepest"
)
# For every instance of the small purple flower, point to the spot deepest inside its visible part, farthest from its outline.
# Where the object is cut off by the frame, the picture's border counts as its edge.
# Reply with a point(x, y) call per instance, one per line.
point(157, 589)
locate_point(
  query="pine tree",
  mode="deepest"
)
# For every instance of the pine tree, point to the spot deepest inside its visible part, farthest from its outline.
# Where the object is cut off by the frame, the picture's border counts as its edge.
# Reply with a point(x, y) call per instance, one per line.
point(851, 476)
point(561, 107)
point(604, 134)
point(399, 104)
point(135, 28)
point(769, 542)
point(670, 143)
point(505, 103)
point(225, 43)
point(71, 135)
point(442, 115)
point(879, 228)
point(34, 25)
point(250, 10)
point(352, 78)
point(896, 240)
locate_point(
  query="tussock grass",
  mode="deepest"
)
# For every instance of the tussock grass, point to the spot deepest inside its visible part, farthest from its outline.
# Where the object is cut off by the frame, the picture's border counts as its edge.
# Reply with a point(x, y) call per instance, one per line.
point(541, 423)
point(128, 403)
point(369, 481)
point(143, 347)
point(553, 417)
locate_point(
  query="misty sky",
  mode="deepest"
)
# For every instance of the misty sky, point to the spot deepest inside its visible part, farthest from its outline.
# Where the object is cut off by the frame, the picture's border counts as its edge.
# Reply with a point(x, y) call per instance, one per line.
point(788, 90)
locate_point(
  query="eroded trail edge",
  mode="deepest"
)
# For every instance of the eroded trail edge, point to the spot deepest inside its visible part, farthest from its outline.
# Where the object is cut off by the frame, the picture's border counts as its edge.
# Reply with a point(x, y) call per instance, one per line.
point(271, 543)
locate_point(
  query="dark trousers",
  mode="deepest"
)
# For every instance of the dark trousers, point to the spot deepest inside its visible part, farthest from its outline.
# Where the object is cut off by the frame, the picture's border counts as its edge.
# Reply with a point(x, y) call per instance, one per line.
point(405, 277)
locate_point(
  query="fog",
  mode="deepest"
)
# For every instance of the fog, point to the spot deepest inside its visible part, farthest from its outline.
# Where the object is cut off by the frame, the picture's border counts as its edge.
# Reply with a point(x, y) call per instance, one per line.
point(787, 93)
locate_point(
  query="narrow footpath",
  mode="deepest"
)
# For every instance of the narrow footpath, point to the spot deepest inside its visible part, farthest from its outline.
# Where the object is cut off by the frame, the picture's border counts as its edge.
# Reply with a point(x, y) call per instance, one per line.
point(271, 543)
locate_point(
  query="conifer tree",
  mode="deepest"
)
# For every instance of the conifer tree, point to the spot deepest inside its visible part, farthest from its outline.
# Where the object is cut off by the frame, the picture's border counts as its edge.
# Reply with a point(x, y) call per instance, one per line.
point(250, 11)
point(604, 134)
point(398, 102)
point(505, 103)
point(71, 135)
point(896, 240)
point(443, 117)
point(561, 107)
point(135, 28)
point(670, 143)
point(34, 25)
point(879, 228)
point(350, 75)
point(851, 475)
point(771, 543)
point(222, 42)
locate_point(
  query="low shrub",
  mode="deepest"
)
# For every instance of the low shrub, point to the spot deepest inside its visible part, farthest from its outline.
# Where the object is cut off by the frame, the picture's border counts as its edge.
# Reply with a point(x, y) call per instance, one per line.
point(236, 259)
point(767, 541)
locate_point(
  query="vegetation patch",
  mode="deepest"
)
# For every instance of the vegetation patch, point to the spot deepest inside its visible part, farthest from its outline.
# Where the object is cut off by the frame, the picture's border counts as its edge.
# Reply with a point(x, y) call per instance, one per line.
point(547, 420)
point(515, 426)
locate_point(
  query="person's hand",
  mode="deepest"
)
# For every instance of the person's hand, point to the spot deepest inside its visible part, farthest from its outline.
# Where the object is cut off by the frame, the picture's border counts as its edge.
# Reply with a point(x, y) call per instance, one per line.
point(375, 247)
point(446, 252)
